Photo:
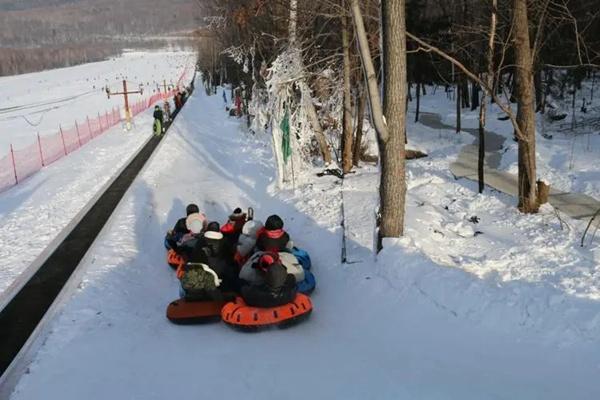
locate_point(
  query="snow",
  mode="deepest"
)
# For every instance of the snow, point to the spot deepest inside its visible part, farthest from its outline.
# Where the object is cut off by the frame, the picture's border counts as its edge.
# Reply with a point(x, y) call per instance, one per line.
point(44, 100)
point(441, 313)
point(35, 213)
point(568, 161)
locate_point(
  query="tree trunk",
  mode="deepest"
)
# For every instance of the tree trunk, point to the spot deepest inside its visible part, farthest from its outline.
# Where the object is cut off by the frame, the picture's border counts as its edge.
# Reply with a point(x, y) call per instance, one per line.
point(539, 92)
point(347, 114)
point(474, 96)
point(525, 109)
point(465, 92)
point(360, 116)
point(458, 100)
point(369, 71)
point(391, 130)
point(314, 121)
point(418, 101)
point(393, 181)
point(483, 104)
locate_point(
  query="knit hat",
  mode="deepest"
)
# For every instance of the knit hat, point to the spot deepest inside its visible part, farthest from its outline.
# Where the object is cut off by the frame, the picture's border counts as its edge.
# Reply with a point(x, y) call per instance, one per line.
point(196, 222)
point(237, 215)
point(251, 228)
point(213, 227)
point(274, 223)
point(266, 260)
point(191, 209)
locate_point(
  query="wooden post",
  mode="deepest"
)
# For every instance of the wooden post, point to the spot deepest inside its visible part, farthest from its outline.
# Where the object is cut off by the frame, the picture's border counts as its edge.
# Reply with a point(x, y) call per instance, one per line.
point(40, 148)
point(78, 137)
point(89, 127)
point(63, 139)
point(12, 154)
point(543, 192)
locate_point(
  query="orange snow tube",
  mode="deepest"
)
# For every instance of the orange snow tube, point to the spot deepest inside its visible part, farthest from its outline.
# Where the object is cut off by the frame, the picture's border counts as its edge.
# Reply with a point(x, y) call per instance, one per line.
point(183, 311)
point(242, 316)
point(174, 260)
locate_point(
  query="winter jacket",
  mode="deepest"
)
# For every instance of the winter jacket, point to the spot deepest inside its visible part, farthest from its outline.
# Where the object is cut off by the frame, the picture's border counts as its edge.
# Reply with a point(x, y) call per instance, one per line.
point(175, 234)
point(231, 231)
point(292, 265)
point(266, 296)
point(247, 241)
point(250, 274)
point(158, 114)
point(218, 261)
point(254, 276)
point(200, 282)
point(275, 240)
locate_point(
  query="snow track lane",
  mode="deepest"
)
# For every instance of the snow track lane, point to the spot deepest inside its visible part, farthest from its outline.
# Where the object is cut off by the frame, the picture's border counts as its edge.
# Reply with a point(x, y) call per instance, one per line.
point(27, 308)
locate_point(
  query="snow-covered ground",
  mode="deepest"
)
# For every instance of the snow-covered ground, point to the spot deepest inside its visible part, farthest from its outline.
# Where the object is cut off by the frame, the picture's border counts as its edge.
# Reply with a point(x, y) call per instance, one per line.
point(41, 101)
point(568, 161)
point(34, 213)
point(406, 326)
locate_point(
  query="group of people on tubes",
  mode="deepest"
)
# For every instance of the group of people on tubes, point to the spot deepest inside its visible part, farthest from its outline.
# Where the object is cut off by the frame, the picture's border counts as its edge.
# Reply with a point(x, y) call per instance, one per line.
point(243, 256)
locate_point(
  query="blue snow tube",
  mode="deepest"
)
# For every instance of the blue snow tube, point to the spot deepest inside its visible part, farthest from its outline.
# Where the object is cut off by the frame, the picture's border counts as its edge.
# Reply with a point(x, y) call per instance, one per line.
point(308, 284)
point(303, 258)
point(167, 245)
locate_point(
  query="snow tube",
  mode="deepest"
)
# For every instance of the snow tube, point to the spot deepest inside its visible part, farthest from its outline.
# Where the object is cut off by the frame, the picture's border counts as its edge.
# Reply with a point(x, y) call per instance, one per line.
point(185, 312)
point(167, 244)
point(174, 260)
point(241, 316)
point(308, 284)
point(302, 257)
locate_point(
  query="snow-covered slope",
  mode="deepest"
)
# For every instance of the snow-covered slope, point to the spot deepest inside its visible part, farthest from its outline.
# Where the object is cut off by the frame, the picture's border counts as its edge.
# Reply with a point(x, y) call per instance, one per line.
point(41, 101)
point(34, 213)
point(399, 328)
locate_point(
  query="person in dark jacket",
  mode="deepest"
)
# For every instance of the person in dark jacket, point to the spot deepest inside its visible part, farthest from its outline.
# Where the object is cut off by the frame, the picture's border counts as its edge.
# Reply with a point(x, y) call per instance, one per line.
point(277, 287)
point(211, 251)
point(180, 229)
point(273, 237)
point(232, 230)
point(158, 120)
point(178, 102)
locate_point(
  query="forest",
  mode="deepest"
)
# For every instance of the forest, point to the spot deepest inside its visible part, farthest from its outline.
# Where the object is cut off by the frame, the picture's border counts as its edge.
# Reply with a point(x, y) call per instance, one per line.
point(333, 66)
point(36, 35)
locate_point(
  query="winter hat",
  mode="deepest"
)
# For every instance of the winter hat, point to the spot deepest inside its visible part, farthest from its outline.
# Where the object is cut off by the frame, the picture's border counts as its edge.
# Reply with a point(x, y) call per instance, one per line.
point(213, 227)
point(251, 228)
point(274, 222)
point(196, 222)
point(237, 215)
point(266, 260)
point(191, 209)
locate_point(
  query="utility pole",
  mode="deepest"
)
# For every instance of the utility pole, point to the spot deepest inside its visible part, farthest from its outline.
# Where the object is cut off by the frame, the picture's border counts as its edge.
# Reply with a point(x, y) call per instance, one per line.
point(125, 93)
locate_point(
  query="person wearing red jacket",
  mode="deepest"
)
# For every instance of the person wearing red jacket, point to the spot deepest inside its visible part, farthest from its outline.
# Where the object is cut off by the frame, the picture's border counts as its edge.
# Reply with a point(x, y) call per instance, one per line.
point(272, 237)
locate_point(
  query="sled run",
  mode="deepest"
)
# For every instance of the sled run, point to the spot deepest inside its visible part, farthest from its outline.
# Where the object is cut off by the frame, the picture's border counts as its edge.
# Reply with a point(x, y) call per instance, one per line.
point(399, 328)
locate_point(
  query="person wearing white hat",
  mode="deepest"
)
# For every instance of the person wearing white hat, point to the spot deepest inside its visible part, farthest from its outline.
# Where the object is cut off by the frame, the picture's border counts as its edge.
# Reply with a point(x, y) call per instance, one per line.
point(196, 224)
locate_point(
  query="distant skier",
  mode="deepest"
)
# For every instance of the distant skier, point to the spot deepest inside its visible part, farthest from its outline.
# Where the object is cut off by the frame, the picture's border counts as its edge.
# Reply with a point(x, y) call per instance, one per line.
point(167, 111)
point(158, 121)
point(178, 103)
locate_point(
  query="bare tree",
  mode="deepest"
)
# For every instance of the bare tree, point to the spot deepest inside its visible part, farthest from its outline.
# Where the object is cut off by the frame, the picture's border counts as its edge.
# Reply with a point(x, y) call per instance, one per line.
point(528, 202)
point(347, 117)
point(391, 128)
point(483, 104)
